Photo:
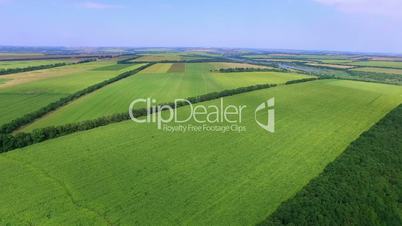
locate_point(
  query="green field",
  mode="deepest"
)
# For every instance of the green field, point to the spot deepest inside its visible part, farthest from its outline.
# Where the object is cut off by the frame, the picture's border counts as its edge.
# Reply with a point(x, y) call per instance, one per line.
point(3, 80)
point(379, 70)
point(388, 64)
point(157, 57)
point(29, 63)
point(30, 93)
point(130, 173)
point(165, 87)
point(336, 61)
point(296, 56)
point(114, 67)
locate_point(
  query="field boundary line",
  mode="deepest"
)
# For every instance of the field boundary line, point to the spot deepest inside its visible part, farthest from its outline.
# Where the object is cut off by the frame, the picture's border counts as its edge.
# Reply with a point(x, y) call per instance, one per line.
point(9, 142)
point(31, 117)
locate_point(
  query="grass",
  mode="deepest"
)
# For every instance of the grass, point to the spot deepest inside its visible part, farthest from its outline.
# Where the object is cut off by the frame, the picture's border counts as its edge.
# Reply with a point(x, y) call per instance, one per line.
point(114, 67)
point(363, 186)
point(388, 64)
point(3, 80)
point(177, 68)
point(130, 173)
point(296, 56)
point(158, 68)
point(336, 66)
point(165, 87)
point(159, 57)
point(223, 65)
point(23, 98)
point(336, 61)
point(29, 63)
point(33, 76)
point(380, 70)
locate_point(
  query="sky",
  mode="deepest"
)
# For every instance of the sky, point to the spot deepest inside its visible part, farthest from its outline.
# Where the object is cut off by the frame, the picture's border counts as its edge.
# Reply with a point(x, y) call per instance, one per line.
point(338, 25)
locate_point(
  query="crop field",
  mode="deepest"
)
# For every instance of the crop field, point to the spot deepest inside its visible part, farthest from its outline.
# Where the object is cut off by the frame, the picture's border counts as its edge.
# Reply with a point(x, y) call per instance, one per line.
point(337, 66)
point(223, 65)
point(296, 56)
point(8, 56)
point(3, 80)
point(177, 68)
point(25, 92)
point(174, 57)
point(387, 64)
point(379, 70)
point(280, 60)
point(164, 87)
point(129, 173)
point(156, 58)
point(114, 67)
point(29, 63)
point(201, 113)
point(158, 68)
point(336, 61)
point(33, 76)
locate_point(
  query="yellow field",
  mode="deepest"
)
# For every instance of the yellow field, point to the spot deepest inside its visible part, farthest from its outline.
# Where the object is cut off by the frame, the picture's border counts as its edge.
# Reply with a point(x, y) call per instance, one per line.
point(12, 80)
point(158, 68)
point(331, 65)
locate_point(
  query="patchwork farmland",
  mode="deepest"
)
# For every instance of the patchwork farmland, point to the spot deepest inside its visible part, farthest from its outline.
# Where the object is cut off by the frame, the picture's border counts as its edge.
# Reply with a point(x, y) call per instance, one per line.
point(23, 93)
point(82, 161)
point(160, 83)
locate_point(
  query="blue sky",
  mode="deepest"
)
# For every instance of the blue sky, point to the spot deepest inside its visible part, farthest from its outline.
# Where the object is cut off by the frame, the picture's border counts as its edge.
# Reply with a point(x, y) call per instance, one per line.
point(345, 25)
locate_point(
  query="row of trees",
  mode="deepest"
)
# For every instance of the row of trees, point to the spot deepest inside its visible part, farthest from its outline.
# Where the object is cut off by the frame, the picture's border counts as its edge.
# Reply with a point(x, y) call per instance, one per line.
point(26, 119)
point(9, 142)
point(40, 67)
point(362, 187)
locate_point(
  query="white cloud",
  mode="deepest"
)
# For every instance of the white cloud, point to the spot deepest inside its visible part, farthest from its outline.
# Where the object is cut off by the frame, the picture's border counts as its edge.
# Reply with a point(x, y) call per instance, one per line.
point(98, 5)
point(379, 7)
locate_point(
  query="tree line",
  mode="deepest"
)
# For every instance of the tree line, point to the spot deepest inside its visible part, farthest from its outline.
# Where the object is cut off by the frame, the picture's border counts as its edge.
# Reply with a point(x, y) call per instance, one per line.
point(363, 186)
point(39, 67)
point(9, 142)
point(28, 118)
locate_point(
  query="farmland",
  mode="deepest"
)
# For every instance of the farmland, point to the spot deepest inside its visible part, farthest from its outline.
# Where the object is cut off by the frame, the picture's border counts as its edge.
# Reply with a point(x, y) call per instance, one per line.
point(386, 64)
point(155, 58)
point(135, 174)
point(26, 92)
point(336, 66)
point(201, 113)
point(29, 63)
point(223, 65)
point(380, 70)
point(157, 82)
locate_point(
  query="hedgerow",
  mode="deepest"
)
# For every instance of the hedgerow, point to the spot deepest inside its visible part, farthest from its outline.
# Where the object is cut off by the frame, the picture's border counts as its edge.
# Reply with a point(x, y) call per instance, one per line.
point(40, 67)
point(9, 142)
point(28, 118)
